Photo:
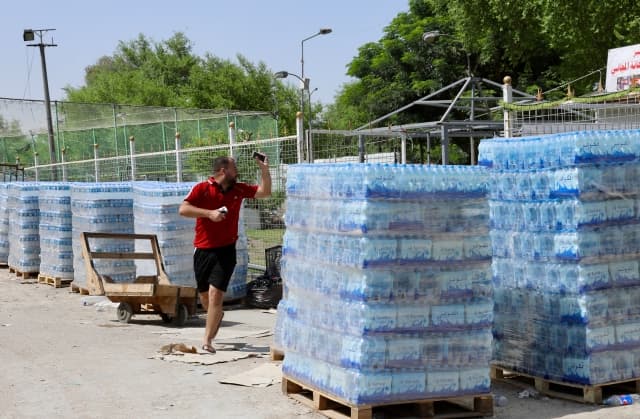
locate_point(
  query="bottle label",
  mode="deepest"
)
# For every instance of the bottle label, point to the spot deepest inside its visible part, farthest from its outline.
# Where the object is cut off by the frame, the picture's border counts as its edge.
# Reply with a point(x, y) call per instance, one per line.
point(625, 400)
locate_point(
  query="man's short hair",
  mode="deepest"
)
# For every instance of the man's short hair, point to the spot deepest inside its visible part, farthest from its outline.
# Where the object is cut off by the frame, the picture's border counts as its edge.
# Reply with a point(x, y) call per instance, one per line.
point(221, 162)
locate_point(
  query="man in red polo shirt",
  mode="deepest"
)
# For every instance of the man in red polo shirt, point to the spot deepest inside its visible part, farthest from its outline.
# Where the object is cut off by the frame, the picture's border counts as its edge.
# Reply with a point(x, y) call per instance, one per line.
point(215, 203)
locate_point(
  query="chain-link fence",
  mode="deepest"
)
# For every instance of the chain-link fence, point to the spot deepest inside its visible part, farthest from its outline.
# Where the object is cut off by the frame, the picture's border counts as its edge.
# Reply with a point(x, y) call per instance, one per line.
point(600, 112)
point(263, 218)
point(82, 130)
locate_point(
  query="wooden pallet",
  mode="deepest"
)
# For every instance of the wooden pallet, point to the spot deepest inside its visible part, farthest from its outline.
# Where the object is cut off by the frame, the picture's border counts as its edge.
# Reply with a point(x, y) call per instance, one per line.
point(276, 354)
point(580, 393)
point(55, 281)
point(336, 408)
point(23, 275)
point(77, 289)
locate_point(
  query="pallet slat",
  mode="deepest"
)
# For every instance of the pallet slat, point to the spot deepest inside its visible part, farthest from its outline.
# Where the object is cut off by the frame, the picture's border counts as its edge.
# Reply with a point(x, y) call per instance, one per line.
point(437, 408)
point(276, 354)
point(55, 281)
point(581, 393)
point(23, 275)
point(77, 289)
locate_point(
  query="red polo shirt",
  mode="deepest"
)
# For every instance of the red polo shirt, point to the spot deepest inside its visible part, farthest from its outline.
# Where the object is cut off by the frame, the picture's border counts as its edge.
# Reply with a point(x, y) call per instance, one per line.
point(209, 195)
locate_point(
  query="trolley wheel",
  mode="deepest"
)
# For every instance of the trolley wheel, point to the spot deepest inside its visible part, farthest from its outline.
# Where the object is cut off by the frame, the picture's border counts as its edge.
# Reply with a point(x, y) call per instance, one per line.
point(181, 316)
point(125, 311)
point(166, 318)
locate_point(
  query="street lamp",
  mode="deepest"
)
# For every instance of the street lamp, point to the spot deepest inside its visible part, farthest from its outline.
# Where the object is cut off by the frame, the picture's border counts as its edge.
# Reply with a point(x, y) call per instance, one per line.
point(284, 74)
point(323, 31)
point(29, 35)
point(431, 36)
point(305, 86)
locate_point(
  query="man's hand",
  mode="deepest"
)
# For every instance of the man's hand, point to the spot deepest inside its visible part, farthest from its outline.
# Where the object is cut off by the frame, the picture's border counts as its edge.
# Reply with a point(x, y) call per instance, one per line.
point(263, 164)
point(216, 215)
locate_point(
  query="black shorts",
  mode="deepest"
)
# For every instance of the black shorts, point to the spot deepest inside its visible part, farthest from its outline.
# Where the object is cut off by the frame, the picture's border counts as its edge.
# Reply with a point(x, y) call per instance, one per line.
point(214, 267)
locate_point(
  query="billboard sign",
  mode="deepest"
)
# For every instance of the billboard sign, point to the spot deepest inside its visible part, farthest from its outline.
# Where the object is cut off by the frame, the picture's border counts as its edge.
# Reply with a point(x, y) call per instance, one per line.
point(623, 68)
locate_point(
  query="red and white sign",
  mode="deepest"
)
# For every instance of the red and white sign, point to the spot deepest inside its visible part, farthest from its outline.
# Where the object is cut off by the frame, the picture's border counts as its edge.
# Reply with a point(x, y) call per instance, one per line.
point(623, 68)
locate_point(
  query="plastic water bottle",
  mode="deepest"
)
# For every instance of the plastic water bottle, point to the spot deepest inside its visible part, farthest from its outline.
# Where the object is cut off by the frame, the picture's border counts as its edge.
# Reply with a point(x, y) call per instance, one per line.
point(620, 399)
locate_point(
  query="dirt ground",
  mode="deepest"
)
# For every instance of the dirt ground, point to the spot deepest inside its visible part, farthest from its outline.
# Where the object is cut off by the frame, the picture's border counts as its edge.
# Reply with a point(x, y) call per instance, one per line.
point(62, 359)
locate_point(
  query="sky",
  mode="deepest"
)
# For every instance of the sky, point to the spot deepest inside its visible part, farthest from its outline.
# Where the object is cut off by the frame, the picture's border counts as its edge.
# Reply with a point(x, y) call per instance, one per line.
point(262, 31)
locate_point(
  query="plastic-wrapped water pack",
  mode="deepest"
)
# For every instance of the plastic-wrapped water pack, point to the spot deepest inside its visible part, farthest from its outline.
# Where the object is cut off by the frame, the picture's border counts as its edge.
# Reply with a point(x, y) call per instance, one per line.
point(387, 273)
point(565, 232)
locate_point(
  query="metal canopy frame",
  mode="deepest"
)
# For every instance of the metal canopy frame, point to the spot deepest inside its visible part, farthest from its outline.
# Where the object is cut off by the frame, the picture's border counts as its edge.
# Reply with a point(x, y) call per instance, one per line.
point(445, 127)
point(466, 83)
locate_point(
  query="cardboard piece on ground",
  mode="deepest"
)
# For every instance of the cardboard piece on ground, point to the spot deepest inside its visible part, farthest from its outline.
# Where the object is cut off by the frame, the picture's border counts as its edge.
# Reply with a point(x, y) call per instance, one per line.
point(225, 333)
point(263, 376)
point(205, 358)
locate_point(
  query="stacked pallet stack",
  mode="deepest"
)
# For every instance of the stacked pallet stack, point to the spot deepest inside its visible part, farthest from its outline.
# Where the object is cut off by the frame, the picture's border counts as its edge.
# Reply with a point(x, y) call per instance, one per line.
point(388, 291)
point(565, 228)
point(56, 257)
point(105, 207)
point(24, 221)
point(155, 210)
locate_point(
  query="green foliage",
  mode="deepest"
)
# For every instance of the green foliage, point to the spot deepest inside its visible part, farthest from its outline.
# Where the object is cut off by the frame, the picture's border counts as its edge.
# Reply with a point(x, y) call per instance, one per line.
point(168, 73)
point(539, 43)
point(201, 163)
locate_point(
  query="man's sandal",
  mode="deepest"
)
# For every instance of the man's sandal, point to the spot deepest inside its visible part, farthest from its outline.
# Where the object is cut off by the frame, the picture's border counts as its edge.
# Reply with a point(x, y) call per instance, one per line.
point(209, 348)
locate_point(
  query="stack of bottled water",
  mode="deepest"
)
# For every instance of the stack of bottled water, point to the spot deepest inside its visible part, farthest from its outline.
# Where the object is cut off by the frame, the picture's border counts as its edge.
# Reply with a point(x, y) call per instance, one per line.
point(387, 273)
point(238, 283)
point(24, 220)
point(565, 229)
point(155, 210)
point(104, 207)
point(4, 223)
point(56, 250)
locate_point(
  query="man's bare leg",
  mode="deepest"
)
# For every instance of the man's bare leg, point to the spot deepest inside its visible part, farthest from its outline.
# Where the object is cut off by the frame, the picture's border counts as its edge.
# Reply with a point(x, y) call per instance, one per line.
point(214, 316)
point(204, 300)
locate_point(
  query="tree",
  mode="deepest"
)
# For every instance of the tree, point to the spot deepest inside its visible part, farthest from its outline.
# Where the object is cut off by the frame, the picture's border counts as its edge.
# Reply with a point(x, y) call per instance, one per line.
point(144, 72)
point(539, 43)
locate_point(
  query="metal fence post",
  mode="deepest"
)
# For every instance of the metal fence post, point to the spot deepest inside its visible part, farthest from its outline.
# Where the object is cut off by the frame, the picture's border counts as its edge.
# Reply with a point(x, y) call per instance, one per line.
point(132, 149)
point(300, 136)
point(507, 97)
point(35, 163)
point(64, 165)
point(95, 162)
point(178, 159)
point(444, 142)
point(232, 138)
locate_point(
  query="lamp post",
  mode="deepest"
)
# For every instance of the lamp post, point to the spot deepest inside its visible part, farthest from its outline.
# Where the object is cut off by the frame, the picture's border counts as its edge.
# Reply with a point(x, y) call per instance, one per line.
point(431, 36)
point(309, 137)
point(299, 116)
point(29, 35)
point(323, 31)
point(305, 82)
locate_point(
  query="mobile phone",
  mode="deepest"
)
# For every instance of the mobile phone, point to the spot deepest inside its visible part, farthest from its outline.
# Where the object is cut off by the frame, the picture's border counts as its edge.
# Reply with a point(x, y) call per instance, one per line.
point(259, 156)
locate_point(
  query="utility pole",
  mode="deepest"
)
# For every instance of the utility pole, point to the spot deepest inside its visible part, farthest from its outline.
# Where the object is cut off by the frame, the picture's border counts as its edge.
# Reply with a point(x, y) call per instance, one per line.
point(29, 35)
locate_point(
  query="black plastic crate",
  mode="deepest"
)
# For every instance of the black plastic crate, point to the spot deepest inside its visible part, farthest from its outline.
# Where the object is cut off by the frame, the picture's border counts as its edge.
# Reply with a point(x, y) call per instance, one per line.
point(272, 256)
